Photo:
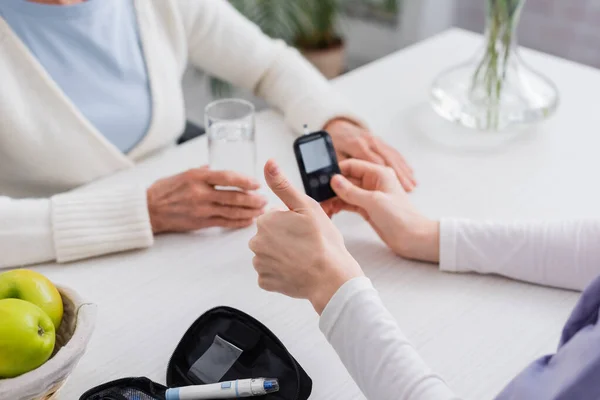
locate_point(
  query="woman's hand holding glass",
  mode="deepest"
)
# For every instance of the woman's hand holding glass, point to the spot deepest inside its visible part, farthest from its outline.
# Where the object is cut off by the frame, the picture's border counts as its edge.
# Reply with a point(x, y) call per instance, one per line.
point(189, 201)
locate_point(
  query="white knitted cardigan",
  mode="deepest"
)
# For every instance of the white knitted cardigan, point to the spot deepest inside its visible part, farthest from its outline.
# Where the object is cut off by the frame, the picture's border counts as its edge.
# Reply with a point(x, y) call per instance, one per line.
point(48, 148)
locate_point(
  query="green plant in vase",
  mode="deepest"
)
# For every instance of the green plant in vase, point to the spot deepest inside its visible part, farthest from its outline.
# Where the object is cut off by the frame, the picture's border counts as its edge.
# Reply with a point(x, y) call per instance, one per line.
point(489, 76)
point(496, 89)
point(309, 25)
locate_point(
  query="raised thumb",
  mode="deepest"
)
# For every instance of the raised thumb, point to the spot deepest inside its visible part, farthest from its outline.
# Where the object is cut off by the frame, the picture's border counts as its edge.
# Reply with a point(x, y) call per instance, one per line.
point(282, 187)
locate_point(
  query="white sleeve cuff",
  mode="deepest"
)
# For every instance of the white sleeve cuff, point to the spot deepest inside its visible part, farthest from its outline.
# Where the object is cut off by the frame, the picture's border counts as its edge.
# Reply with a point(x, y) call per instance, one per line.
point(448, 245)
point(25, 232)
point(94, 223)
point(336, 305)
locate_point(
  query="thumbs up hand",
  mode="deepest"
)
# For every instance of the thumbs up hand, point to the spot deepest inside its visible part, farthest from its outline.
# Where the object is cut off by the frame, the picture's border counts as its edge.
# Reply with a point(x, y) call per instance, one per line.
point(299, 252)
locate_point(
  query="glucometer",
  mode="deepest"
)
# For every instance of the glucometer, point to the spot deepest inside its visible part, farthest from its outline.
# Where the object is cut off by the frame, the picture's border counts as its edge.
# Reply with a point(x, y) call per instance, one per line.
point(317, 162)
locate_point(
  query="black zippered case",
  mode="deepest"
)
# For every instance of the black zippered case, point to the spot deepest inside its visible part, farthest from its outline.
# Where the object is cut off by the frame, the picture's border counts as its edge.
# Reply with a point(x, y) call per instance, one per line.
point(224, 344)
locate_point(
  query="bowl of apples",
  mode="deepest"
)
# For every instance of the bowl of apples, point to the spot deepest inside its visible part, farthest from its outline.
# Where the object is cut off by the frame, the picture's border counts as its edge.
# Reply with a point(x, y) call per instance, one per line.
point(44, 332)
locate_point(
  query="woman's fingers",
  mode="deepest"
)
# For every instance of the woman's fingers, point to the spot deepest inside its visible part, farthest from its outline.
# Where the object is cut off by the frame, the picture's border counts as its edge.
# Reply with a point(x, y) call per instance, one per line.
point(283, 188)
point(224, 178)
point(397, 162)
point(355, 209)
point(371, 176)
point(350, 193)
point(362, 150)
point(238, 199)
point(224, 223)
point(358, 169)
point(188, 223)
point(233, 212)
point(330, 207)
point(188, 201)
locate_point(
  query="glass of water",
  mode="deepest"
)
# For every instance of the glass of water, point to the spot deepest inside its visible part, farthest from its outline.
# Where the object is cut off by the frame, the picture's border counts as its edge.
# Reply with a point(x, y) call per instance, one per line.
point(230, 128)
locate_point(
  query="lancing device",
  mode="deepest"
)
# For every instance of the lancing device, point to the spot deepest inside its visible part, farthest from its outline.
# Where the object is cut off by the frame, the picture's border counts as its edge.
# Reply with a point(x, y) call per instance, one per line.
point(225, 390)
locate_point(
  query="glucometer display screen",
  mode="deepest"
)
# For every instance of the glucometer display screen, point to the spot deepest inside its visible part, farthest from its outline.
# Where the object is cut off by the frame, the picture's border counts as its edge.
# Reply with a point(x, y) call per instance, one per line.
point(315, 155)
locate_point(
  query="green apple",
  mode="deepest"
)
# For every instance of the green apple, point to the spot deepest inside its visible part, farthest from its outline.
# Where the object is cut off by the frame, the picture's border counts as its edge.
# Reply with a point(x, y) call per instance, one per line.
point(26, 337)
point(35, 288)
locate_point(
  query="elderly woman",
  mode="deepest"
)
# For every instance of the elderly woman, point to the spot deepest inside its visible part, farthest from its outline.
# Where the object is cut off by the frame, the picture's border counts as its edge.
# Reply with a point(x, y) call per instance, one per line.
point(91, 87)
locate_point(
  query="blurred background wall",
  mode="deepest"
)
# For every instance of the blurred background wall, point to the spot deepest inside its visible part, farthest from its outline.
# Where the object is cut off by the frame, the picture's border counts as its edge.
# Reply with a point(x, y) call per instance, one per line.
point(566, 28)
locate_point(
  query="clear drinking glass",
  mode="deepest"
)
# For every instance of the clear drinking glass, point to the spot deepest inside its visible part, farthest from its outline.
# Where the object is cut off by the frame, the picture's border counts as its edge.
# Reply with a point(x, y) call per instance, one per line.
point(230, 128)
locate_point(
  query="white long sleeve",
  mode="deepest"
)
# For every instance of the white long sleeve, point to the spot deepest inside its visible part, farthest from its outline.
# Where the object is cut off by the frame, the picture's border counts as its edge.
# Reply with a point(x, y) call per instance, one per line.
point(25, 232)
point(561, 254)
point(227, 45)
point(48, 148)
point(72, 226)
point(374, 350)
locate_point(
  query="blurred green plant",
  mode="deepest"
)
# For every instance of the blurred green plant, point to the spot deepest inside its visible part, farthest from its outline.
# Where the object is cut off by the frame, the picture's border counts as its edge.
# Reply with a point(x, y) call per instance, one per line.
point(392, 6)
point(305, 24)
point(489, 77)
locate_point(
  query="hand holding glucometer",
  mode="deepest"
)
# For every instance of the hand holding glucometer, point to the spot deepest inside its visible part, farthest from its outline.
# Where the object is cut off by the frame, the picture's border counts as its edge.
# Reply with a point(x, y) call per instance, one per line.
point(317, 162)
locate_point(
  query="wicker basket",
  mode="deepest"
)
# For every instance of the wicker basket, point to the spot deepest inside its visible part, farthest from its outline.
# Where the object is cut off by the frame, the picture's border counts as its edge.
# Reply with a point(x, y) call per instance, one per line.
point(72, 338)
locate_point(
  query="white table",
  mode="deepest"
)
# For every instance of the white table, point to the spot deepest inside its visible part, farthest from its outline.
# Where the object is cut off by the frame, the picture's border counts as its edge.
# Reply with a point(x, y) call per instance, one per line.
point(476, 331)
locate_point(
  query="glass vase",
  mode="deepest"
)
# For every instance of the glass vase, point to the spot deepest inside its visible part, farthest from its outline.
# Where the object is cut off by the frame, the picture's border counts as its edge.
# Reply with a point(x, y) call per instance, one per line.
point(495, 89)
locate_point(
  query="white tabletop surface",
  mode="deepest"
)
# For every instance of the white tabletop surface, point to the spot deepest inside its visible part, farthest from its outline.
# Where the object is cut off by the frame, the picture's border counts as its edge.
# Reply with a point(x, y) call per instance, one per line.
point(475, 331)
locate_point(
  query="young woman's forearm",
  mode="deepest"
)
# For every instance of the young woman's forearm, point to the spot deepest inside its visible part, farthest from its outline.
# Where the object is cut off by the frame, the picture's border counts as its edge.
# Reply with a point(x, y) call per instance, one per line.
point(422, 241)
point(561, 254)
point(374, 350)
